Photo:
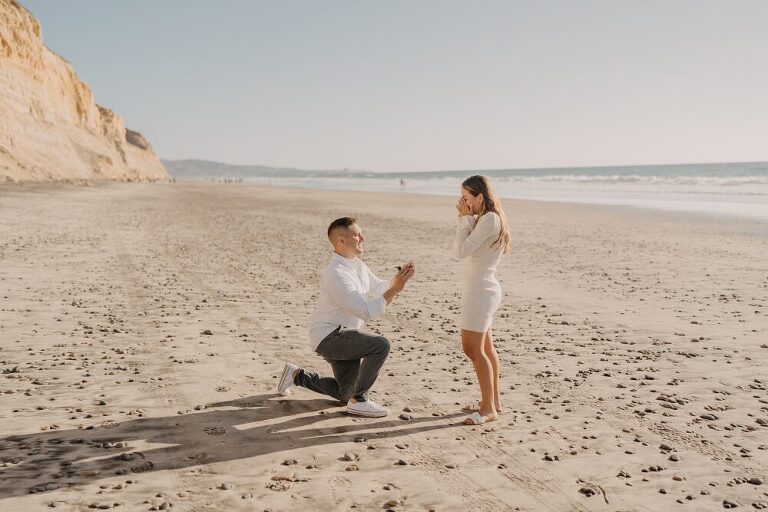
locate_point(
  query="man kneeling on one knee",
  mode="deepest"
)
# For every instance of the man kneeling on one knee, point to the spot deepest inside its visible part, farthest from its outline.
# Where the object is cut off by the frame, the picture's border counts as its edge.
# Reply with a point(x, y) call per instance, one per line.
point(350, 294)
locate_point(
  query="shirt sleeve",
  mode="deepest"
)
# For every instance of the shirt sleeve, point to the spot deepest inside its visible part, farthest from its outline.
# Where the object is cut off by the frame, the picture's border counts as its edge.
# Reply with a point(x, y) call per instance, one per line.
point(343, 290)
point(472, 233)
point(378, 286)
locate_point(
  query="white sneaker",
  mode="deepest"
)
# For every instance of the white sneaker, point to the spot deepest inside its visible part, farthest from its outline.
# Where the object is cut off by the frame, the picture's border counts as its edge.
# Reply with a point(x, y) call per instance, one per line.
point(369, 409)
point(285, 383)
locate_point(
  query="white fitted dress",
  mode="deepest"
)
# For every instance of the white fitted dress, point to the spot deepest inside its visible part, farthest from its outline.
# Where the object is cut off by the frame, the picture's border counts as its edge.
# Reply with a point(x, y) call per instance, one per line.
point(475, 241)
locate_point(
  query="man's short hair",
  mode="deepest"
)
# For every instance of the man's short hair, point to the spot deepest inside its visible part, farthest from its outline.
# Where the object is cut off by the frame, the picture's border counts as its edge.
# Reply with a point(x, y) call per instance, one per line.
point(343, 222)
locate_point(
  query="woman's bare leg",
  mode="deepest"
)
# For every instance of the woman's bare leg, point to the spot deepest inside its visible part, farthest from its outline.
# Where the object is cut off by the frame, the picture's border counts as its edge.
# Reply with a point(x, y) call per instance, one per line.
point(472, 343)
point(493, 357)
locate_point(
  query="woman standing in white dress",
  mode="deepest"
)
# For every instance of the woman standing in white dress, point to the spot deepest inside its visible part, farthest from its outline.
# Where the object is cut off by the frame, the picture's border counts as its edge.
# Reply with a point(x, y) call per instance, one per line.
point(482, 238)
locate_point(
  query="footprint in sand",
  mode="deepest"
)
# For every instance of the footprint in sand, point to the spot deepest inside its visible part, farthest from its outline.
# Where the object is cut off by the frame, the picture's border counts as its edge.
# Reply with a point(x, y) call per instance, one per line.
point(213, 430)
point(143, 466)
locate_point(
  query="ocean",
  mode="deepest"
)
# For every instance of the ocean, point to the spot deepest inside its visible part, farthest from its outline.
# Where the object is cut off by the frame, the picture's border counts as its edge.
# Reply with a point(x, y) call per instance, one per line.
point(723, 189)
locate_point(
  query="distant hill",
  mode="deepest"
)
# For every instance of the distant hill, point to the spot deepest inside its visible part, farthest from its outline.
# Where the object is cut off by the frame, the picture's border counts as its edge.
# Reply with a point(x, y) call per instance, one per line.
point(193, 169)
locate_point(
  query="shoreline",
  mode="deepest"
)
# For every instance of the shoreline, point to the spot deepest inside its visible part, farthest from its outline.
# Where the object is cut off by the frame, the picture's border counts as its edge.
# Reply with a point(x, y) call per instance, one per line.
point(727, 223)
point(725, 216)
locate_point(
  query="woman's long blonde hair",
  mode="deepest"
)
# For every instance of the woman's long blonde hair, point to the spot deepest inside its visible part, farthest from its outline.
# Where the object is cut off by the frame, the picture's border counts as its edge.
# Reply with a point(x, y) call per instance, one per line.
point(476, 185)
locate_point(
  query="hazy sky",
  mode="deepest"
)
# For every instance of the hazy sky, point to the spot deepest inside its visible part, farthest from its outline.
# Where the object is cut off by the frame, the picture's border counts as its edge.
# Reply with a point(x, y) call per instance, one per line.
point(427, 85)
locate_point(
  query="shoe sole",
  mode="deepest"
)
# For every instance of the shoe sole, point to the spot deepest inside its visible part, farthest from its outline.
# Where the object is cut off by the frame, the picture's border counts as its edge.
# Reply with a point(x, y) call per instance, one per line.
point(367, 415)
point(283, 386)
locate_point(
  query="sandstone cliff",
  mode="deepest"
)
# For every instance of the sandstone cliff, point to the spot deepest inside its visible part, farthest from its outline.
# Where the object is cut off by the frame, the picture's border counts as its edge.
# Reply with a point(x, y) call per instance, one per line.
point(50, 127)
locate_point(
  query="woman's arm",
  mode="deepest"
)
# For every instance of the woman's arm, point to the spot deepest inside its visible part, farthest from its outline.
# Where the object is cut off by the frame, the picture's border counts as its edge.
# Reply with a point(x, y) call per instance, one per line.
point(471, 234)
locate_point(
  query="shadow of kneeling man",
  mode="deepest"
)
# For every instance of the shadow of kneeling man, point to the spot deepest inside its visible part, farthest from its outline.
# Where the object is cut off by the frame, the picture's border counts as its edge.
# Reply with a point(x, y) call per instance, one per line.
point(238, 429)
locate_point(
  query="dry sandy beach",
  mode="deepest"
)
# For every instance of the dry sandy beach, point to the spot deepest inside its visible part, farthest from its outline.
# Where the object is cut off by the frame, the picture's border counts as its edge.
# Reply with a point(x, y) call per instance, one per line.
point(142, 328)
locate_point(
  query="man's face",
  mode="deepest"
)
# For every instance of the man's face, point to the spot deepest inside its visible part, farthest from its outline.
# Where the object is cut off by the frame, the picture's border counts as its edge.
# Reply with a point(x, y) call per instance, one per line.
point(353, 240)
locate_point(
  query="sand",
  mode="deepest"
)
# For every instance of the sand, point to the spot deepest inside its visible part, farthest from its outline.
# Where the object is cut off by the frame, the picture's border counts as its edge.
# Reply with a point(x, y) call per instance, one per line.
point(142, 329)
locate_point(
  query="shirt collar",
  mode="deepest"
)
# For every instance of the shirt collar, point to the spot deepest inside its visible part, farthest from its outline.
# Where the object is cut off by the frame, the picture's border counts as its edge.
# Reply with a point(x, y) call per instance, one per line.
point(349, 263)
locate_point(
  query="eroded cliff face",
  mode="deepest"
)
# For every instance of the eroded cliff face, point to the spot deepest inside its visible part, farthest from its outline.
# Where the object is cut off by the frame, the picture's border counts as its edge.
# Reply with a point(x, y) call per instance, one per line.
point(50, 127)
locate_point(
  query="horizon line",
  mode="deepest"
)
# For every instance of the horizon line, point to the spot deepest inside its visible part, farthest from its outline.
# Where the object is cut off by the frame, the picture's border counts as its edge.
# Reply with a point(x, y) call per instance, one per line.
point(496, 169)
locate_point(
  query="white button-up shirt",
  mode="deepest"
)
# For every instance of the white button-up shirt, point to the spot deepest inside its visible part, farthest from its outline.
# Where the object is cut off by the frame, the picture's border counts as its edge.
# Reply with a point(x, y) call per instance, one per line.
point(350, 294)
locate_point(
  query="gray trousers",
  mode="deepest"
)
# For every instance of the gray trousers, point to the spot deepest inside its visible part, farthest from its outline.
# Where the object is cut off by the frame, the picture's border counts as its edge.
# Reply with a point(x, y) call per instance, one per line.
point(355, 358)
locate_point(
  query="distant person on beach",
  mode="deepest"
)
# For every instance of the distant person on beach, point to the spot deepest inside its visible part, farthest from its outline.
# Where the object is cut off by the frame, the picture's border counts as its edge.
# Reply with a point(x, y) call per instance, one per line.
point(350, 294)
point(481, 237)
